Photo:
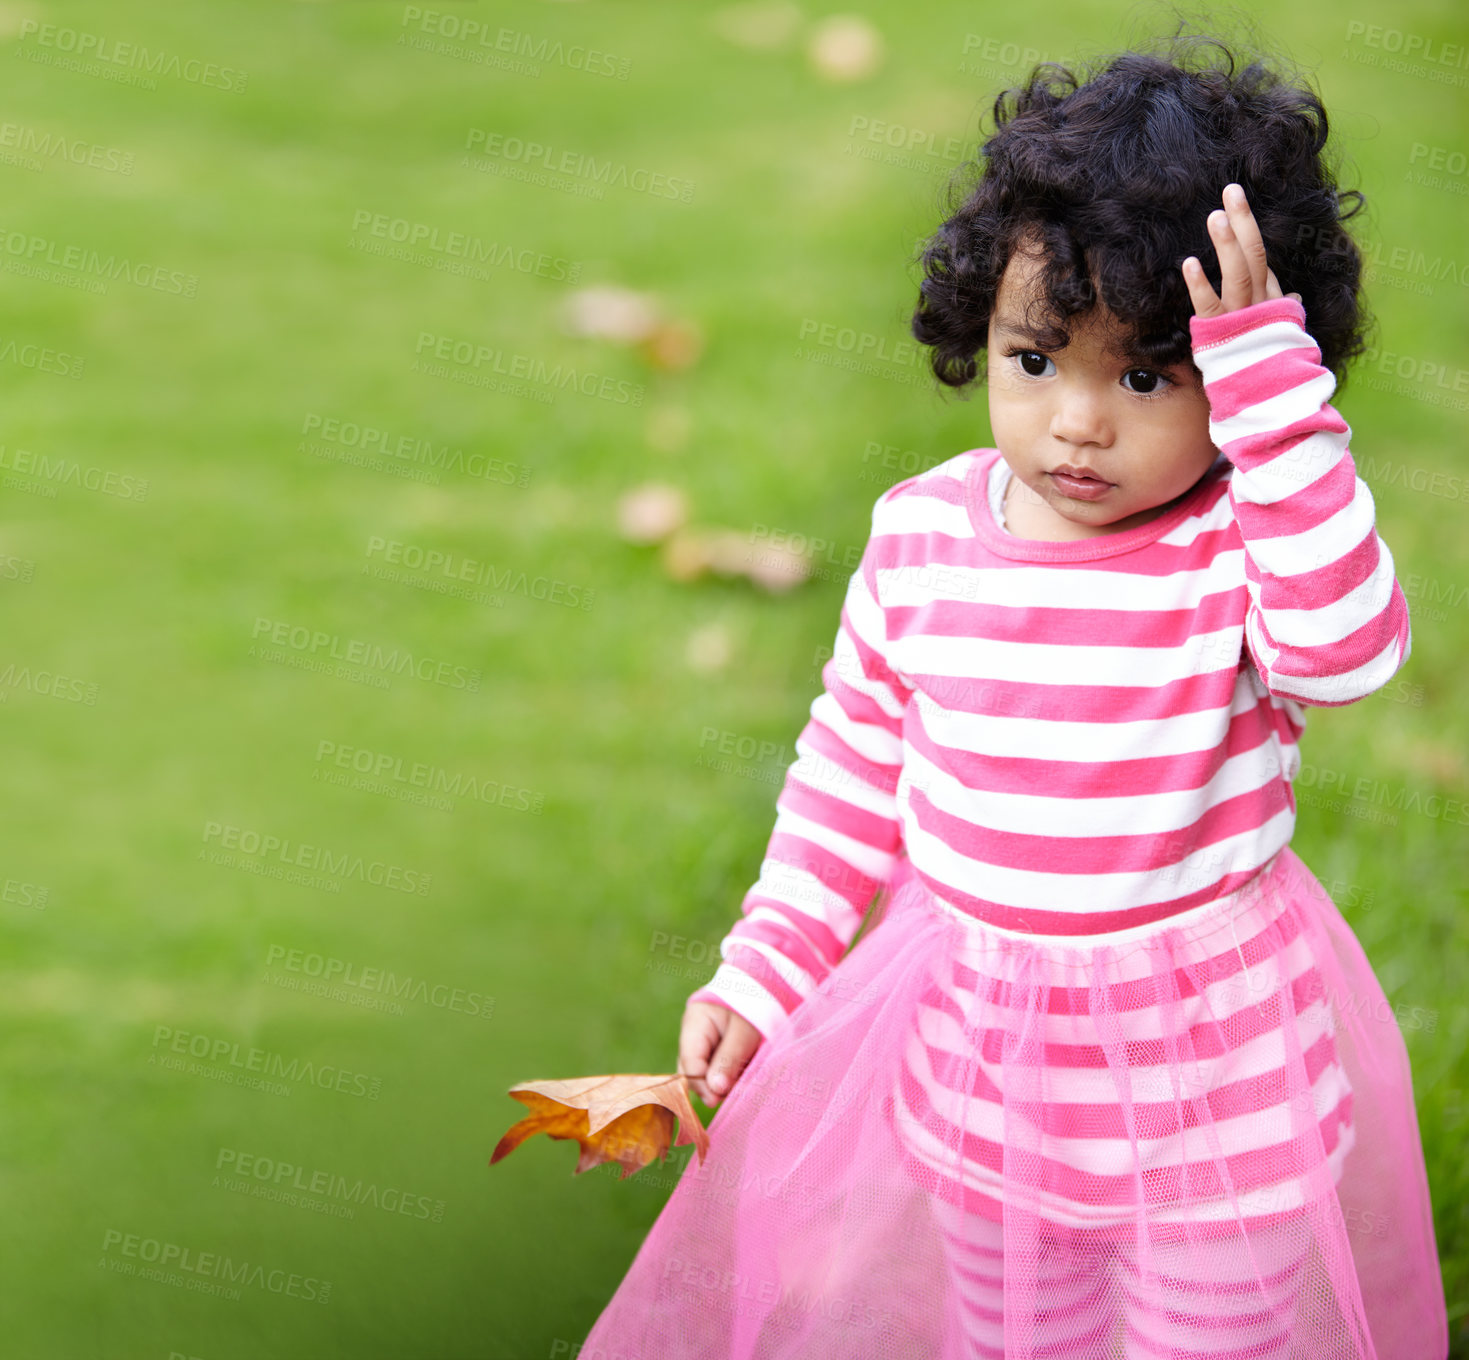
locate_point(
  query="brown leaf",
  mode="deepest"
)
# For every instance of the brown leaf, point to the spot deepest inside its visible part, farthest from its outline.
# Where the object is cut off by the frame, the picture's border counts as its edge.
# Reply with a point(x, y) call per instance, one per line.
point(770, 566)
point(768, 24)
point(845, 47)
point(674, 345)
point(777, 568)
point(651, 512)
point(607, 312)
point(685, 553)
point(627, 1118)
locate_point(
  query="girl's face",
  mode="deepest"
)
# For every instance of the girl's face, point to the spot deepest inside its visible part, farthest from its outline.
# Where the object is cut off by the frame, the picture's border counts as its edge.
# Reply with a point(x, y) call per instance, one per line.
point(1139, 435)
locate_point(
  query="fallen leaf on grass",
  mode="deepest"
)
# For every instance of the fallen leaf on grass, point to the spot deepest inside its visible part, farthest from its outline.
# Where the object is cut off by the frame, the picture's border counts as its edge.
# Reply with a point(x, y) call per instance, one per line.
point(628, 317)
point(757, 25)
point(694, 549)
point(845, 47)
point(607, 312)
point(627, 1118)
point(674, 345)
point(708, 649)
point(685, 555)
point(770, 566)
point(651, 512)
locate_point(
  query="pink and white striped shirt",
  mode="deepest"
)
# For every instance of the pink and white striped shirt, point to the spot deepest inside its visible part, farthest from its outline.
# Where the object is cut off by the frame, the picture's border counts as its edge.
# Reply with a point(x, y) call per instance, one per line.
point(1079, 737)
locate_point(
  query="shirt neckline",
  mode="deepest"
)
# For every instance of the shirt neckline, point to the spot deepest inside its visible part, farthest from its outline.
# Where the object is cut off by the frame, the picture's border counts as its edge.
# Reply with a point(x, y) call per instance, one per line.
point(1006, 544)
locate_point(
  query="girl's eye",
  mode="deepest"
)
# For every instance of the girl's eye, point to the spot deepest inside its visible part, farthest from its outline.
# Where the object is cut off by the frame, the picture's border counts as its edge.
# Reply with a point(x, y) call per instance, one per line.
point(1032, 362)
point(1151, 384)
point(1143, 382)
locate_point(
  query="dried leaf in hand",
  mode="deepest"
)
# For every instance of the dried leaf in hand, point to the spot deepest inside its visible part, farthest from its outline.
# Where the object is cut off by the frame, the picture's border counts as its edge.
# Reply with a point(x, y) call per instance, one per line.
point(627, 1118)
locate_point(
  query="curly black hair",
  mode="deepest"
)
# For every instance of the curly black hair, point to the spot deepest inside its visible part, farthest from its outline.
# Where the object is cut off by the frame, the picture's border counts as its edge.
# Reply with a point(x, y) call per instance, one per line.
point(1115, 174)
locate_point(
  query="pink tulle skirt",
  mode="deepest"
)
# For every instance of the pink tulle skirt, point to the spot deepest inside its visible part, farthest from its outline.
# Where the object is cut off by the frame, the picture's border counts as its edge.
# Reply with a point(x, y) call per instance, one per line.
point(1191, 1139)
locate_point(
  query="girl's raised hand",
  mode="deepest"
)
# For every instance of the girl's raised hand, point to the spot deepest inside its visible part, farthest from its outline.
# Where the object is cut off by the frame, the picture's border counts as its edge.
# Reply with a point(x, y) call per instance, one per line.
point(1245, 276)
point(714, 1047)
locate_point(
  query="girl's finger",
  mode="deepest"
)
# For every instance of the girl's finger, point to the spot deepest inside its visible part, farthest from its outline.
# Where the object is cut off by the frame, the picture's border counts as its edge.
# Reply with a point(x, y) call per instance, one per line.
point(1251, 243)
point(696, 1042)
point(1235, 289)
point(695, 1082)
point(1201, 294)
point(730, 1059)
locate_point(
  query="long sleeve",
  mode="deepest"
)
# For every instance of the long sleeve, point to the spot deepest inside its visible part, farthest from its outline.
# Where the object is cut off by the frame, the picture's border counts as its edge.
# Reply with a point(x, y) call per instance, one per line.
point(1327, 621)
point(837, 833)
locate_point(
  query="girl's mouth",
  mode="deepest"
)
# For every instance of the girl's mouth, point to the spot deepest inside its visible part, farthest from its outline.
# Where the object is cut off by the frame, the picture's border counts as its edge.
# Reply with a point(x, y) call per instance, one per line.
point(1080, 488)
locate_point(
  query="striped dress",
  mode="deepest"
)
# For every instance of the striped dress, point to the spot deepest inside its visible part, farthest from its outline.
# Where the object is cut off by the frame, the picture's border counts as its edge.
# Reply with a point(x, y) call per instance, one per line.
point(1092, 738)
point(1080, 737)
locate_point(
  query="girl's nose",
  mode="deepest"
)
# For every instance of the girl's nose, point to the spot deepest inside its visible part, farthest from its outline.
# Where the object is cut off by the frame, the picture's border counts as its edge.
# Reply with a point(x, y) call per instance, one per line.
point(1081, 417)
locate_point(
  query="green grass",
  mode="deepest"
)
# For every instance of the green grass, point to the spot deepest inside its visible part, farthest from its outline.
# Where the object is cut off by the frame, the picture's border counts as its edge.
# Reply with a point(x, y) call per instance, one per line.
point(595, 711)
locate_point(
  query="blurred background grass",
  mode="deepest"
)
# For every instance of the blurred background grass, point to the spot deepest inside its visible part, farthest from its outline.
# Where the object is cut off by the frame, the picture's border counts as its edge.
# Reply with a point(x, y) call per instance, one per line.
point(242, 311)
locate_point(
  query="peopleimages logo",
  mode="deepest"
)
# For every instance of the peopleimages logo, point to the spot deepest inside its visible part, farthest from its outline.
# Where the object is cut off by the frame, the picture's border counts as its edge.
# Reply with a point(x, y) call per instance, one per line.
point(222, 1054)
point(267, 1178)
point(34, 145)
point(321, 646)
point(42, 358)
point(49, 683)
point(452, 567)
point(332, 435)
point(463, 247)
point(44, 250)
point(206, 1272)
point(465, 34)
point(68, 472)
point(315, 858)
point(540, 163)
point(385, 769)
point(72, 48)
point(486, 364)
point(343, 973)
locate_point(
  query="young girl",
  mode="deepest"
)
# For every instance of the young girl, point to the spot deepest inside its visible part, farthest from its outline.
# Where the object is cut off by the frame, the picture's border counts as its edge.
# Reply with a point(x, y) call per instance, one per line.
point(1110, 1076)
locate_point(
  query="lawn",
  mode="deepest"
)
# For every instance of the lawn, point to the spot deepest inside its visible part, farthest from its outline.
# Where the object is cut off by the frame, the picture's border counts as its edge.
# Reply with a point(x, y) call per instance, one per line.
point(294, 535)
